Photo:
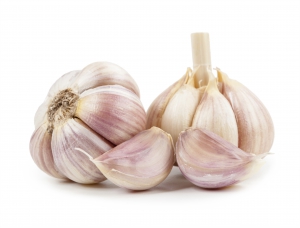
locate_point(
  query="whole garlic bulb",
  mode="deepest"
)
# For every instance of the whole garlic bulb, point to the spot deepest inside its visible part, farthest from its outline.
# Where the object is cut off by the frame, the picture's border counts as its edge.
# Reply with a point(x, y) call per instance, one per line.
point(220, 105)
point(94, 109)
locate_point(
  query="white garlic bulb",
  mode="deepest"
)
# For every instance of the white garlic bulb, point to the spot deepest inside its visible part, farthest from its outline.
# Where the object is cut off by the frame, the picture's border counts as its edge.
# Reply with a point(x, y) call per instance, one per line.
point(220, 105)
point(94, 109)
point(140, 163)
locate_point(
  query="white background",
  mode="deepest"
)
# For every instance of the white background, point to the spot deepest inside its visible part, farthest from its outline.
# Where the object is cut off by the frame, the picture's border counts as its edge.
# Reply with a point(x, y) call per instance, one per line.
point(255, 42)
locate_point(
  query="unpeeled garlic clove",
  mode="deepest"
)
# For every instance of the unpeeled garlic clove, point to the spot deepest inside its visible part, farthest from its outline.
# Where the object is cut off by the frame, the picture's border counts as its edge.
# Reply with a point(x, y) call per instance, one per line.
point(181, 108)
point(76, 166)
point(140, 163)
point(114, 112)
point(215, 114)
point(255, 126)
point(41, 152)
point(209, 161)
point(158, 106)
point(105, 73)
point(68, 80)
point(173, 110)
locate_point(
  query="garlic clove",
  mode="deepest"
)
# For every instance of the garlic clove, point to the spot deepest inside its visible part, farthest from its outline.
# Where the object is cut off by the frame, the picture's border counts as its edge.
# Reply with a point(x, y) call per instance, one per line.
point(105, 73)
point(140, 163)
point(158, 106)
point(41, 153)
point(255, 126)
point(67, 81)
point(215, 114)
point(180, 110)
point(114, 112)
point(40, 116)
point(74, 165)
point(209, 161)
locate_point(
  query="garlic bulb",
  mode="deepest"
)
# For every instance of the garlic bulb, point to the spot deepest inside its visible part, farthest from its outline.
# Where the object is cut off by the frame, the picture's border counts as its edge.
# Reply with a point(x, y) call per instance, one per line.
point(95, 109)
point(219, 105)
point(140, 163)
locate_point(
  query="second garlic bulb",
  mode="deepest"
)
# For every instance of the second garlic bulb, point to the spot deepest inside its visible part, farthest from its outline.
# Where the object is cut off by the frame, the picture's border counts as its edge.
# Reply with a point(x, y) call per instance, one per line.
point(221, 105)
point(223, 129)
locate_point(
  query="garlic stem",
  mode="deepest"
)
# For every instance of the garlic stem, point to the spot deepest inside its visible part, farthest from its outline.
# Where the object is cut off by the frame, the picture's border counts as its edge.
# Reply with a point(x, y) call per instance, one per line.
point(201, 49)
point(201, 56)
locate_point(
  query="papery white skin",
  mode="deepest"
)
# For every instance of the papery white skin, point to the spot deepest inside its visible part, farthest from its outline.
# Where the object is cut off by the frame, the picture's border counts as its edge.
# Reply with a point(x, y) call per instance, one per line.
point(158, 106)
point(140, 163)
point(69, 132)
point(68, 80)
point(255, 126)
point(173, 110)
point(182, 106)
point(215, 114)
point(209, 161)
point(40, 116)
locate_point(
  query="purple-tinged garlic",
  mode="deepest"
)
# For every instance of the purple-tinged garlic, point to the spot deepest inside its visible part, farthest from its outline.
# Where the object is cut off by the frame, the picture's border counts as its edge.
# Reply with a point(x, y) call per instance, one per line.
point(140, 163)
point(255, 126)
point(222, 105)
point(95, 109)
point(209, 161)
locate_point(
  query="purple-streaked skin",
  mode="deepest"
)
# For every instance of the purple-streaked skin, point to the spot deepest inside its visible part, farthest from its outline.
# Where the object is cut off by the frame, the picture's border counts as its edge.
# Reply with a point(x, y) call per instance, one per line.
point(58, 130)
point(255, 126)
point(41, 152)
point(140, 163)
point(114, 112)
point(74, 165)
point(209, 161)
point(105, 73)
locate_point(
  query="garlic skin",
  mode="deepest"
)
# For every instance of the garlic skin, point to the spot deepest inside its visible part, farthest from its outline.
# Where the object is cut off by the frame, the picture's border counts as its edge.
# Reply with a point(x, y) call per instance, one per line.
point(255, 126)
point(209, 161)
point(102, 74)
point(41, 152)
point(77, 111)
point(94, 108)
point(140, 163)
point(77, 167)
point(181, 107)
point(158, 106)
point(214, 113)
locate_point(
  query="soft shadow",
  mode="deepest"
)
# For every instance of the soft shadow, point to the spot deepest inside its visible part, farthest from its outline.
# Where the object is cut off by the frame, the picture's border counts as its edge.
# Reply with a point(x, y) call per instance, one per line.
point(103, 184)
point(231, 188)
point(174, 182)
